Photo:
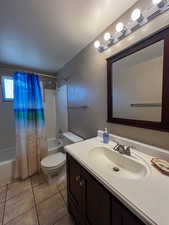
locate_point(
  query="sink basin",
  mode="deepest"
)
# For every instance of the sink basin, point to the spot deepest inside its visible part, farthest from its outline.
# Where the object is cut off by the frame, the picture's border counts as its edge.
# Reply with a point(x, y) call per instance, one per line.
point(113, 163)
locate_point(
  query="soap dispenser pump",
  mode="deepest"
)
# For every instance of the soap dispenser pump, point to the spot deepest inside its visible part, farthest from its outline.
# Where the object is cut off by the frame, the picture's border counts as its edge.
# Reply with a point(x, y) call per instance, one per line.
point(105, 136)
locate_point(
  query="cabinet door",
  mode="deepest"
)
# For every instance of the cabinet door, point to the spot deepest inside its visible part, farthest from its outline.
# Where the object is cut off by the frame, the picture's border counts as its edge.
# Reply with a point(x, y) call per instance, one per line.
point(122, 216)
point(74, 176)
point(97, 202)
point(131, 219)
point(117, 213)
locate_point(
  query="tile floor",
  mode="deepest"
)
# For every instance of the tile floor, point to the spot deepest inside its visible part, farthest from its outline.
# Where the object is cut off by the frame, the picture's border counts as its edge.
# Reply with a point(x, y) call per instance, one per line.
point(34, 202)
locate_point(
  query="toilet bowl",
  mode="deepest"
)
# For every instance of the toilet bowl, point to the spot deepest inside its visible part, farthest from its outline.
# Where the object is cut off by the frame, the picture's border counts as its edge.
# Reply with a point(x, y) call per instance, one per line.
point(53, 163)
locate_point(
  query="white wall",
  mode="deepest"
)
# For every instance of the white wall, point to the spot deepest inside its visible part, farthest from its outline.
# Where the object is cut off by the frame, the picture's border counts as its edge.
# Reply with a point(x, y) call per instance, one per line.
point(61, 108)
point(50, 112)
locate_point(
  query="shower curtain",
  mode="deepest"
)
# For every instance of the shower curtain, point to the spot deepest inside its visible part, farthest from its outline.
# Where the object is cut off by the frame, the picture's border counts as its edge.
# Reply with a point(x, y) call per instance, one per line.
point(31, 143)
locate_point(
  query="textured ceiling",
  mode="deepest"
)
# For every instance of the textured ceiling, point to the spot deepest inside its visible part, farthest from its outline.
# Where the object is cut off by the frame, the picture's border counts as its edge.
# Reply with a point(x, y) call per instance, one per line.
point(45, 34)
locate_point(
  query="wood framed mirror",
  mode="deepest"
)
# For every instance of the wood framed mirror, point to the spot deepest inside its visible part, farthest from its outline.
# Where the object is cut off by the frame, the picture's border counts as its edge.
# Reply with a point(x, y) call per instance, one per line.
point(138, 83)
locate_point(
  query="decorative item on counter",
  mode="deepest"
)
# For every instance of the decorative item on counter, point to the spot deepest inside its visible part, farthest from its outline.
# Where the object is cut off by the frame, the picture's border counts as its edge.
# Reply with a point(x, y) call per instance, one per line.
point(161, 164)
point(105, 136)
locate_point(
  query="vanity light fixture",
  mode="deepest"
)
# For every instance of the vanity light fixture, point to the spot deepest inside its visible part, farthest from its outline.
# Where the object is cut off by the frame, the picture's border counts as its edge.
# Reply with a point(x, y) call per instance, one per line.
point(138, 19)
point(159, 3)
point(109, 39)
point(159, 6)
point(97, 44)
point(120, 32)
point(137, 15)
point(100, 47)
point(107, 36)
point(120, 28)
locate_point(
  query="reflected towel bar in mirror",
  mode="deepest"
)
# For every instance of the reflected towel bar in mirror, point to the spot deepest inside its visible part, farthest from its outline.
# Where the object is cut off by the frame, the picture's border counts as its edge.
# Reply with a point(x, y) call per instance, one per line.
point(146, 105)
point(78, 107)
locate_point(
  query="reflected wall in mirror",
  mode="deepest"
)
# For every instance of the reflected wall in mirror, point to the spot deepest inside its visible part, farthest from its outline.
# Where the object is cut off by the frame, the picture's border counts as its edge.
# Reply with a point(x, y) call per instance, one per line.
point(138, 83)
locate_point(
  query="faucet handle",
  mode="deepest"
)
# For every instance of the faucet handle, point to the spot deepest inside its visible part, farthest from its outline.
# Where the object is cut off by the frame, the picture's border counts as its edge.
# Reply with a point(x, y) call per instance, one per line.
point(128, 150)
point(121, 149)
point(115, 148)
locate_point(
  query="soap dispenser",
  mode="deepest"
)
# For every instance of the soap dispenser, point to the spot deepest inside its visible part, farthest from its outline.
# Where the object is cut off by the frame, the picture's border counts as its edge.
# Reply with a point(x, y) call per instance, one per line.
point(105, 136)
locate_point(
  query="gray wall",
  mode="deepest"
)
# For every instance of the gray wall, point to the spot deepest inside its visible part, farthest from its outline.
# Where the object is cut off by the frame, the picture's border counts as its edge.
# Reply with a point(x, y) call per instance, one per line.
point(61, 108)
point(87, 86)
point(7, 124)
point(7, 121)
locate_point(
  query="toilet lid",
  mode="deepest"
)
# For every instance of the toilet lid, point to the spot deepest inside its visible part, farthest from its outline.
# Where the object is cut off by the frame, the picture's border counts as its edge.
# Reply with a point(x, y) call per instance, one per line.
point(53, 160)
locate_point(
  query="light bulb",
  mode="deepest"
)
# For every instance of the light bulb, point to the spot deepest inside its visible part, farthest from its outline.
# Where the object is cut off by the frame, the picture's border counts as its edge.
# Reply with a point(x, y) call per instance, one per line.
point(120, 27)
point(107, 36)
point(159, 3)
point(136, 14)
point(156, 2)
point(97, 44)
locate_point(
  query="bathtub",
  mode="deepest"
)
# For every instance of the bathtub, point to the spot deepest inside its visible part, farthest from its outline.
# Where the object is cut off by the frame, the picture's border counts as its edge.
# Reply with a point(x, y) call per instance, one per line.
point(54, 144)
point(7, 160)
point(7, 156)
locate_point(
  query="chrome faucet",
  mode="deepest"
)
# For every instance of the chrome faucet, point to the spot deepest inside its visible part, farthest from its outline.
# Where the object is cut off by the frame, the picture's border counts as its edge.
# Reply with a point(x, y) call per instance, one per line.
point(122, 149)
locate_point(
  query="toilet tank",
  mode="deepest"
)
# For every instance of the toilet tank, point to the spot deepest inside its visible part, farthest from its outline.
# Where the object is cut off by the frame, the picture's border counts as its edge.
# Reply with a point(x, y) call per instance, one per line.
point(70, 138)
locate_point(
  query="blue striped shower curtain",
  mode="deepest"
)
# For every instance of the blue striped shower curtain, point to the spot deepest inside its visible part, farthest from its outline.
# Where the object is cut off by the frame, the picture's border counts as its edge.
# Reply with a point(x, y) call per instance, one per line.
point(31, 143)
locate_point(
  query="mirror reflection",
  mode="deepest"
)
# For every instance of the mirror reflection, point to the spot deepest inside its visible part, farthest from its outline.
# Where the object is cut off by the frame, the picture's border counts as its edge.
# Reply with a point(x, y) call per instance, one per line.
point(137, 84)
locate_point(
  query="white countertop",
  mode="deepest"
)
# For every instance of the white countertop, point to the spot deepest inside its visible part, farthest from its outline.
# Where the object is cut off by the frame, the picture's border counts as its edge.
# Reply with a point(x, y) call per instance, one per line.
point(147, 198)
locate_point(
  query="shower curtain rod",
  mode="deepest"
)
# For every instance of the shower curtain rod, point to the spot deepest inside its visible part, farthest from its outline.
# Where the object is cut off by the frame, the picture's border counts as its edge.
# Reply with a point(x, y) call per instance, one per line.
point(28, 71)
point(40, 74)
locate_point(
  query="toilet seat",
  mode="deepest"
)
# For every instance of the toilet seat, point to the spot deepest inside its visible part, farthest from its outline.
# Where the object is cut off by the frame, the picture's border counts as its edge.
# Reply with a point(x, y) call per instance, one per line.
point(54, 161)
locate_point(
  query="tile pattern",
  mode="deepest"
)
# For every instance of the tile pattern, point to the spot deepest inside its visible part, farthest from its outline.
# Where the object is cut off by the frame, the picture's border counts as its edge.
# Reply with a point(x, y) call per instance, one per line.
point(65, 220)
point(44, 191)
point(1, 213)
point(34, 202)
point(63, 193)
point(18, 205)
point(28, 218)
point(3, 190)
point(37, 179)
point(51, 210)
point(18, 187)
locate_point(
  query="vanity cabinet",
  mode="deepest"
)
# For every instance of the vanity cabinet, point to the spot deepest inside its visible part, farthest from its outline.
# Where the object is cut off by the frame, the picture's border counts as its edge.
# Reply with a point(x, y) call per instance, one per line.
point(96, 202)
point(90, 203)
point(121, 215)
point(75, 190)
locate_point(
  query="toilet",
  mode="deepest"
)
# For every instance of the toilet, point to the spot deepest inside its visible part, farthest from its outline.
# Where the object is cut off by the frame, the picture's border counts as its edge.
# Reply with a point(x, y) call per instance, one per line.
point(52, 164)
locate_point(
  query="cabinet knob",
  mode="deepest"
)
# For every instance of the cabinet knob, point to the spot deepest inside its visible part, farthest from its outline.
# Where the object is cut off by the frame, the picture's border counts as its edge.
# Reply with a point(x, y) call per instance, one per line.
point(77, 178)
point(81, 183)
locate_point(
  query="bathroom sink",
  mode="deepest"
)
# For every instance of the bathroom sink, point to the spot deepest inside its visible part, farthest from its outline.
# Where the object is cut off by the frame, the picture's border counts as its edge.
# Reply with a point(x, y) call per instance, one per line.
point(113, 163)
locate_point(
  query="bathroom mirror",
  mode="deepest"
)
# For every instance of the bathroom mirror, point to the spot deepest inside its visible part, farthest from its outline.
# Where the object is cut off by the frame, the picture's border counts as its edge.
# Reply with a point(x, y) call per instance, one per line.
point(138, 79)
point(137, 84)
